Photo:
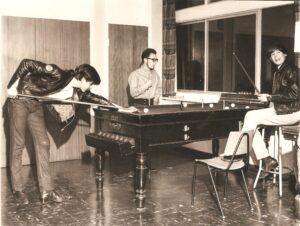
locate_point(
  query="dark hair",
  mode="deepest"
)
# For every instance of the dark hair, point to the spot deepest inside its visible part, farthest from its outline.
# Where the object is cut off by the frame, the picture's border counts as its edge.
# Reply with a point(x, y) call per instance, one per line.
point(146, 53)
point(88, 72)
point(274, 47)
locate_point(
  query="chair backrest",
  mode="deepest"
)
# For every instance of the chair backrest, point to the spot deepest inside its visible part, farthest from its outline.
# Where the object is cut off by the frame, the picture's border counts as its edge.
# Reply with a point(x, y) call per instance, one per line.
point(237, 140)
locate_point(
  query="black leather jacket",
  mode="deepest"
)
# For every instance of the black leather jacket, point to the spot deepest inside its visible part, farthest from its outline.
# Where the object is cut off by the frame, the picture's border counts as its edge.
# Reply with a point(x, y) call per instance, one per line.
point(39, 79)
point(285, 90)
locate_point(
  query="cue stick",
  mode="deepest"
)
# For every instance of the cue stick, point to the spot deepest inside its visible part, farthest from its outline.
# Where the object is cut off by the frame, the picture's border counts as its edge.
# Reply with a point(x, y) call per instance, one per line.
point(246, 73)
point(67, 101)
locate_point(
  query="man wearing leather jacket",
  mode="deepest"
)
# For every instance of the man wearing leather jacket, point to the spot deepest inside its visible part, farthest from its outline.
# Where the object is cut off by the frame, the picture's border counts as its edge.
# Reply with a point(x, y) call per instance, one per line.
point(35, 78)
point(284, 106)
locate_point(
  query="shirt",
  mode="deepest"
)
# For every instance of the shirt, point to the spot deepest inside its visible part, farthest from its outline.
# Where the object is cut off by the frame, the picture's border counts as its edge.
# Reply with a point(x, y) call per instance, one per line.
point(137, 80)
point(65, 111)
point(63, 94)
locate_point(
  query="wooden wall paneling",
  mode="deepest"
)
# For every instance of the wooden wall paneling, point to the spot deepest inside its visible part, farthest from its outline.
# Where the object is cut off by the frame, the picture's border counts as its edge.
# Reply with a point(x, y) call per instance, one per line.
point(65, 43)
point(4, 80)
point(126, 44)
point(49, 50)
point(18, 41)
point(75, 43)
point(48, 41)
point(76, 51)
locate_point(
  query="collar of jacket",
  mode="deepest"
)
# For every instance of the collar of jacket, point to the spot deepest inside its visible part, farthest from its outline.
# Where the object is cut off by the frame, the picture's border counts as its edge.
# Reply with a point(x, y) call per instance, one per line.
point(282, 67)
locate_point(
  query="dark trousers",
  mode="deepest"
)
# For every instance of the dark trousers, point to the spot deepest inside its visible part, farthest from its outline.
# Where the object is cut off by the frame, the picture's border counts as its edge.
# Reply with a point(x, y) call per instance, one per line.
point(22, 113)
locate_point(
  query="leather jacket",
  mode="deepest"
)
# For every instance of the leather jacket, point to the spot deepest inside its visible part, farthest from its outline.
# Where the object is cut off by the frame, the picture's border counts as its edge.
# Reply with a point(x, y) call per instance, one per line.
point(285, 90)
point(39, 79)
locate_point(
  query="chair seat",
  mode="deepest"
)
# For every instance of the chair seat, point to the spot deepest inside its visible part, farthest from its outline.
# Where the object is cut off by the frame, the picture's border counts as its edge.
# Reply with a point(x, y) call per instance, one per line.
point(220, 163)
point(237, 149)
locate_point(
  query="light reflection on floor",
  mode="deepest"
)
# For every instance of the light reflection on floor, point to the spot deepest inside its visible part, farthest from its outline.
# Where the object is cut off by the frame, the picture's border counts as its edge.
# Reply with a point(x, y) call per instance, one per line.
point(168, 196)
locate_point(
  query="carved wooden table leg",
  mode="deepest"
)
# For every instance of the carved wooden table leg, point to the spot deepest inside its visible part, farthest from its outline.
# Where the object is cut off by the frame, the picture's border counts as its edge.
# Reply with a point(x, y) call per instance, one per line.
point(140, 179)
point(100, 158)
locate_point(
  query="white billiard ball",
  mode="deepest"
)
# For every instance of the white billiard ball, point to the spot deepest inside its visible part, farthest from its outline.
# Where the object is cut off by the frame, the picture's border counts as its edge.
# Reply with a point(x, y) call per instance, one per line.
point(185, 105)
point(146, 110)
point(232, 105)
point(211, 105)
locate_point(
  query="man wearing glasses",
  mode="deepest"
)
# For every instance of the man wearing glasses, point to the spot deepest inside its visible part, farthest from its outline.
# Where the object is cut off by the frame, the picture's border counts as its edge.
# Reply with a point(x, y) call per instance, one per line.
point(144, 83)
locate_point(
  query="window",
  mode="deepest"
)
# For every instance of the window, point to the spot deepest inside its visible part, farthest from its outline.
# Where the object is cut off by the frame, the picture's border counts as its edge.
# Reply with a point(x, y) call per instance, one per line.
point(277, 27)
point(235, 52)
point(190, 56)
point(226, 36)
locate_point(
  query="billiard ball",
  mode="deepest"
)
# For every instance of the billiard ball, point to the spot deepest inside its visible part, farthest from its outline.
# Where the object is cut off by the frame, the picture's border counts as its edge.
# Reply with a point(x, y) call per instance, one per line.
point(146, 110)
point(232, 105)
point(185, 105)
point(211, 105)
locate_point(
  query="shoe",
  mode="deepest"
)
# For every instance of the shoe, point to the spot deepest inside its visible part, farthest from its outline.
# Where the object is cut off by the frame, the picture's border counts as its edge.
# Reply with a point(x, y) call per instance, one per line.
point(270, 163)
point(21, 198)
point(50, 196)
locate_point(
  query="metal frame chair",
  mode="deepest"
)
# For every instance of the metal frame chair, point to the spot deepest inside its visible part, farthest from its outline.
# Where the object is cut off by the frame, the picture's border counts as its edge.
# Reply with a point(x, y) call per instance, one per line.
point(235, 158)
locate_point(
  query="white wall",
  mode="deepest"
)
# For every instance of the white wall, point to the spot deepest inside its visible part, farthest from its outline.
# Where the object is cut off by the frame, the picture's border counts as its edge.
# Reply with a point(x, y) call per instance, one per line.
point(51, 9)
point(155, 31)
point(99, 13)
point(130, 12)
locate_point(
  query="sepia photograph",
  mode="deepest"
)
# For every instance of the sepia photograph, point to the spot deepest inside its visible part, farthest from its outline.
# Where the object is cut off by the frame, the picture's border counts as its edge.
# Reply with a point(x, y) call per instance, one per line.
point(150, 112)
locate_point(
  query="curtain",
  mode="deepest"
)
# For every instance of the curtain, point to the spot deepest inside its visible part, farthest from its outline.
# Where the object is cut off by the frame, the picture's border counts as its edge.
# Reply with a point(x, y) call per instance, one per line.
point(169, 48)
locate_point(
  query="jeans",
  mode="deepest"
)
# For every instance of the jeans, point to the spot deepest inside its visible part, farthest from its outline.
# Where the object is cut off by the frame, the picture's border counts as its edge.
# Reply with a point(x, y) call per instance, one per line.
point(23, 112)
point(267, 117)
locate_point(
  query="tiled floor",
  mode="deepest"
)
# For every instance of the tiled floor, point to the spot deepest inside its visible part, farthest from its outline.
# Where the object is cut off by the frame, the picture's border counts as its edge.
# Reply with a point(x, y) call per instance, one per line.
point(168, 196)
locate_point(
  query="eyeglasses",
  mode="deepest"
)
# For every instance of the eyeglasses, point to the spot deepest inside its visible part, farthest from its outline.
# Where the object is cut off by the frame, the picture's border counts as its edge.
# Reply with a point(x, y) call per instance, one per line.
point(153, 59)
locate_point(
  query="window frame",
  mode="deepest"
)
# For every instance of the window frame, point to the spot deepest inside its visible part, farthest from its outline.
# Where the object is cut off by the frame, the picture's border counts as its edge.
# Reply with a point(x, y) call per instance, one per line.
point(217, 11)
